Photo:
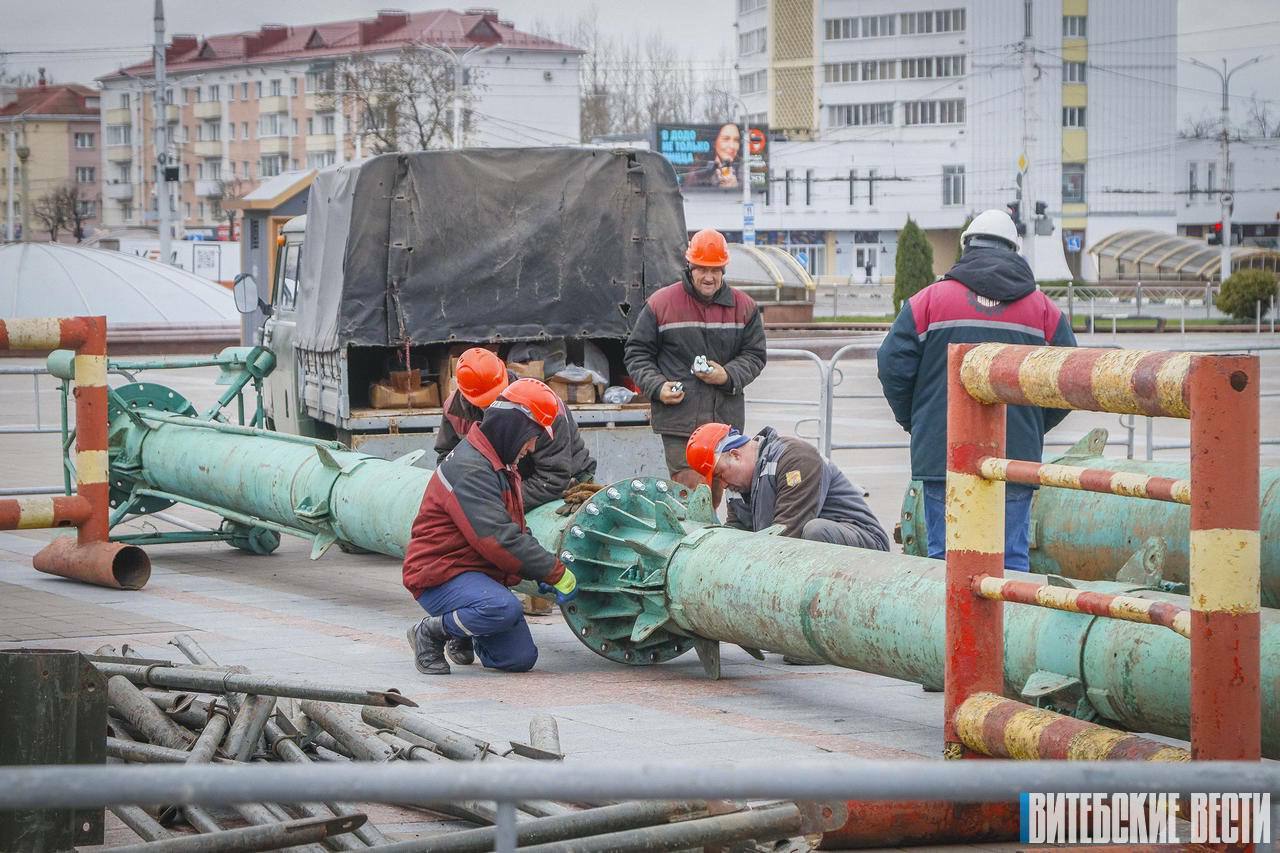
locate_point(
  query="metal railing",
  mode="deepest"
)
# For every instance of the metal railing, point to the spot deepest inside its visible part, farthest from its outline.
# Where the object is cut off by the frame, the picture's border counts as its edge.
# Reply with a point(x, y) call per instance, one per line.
point(76, 787)
point(823, 389)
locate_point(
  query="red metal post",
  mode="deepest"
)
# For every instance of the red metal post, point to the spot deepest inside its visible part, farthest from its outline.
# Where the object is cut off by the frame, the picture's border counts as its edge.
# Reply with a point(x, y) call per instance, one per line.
point(975, 547)
point(1226, 721)
point(88, 335)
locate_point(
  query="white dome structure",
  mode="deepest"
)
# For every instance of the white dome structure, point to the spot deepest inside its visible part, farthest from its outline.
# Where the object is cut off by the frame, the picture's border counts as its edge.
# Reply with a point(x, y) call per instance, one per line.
point(148, 306)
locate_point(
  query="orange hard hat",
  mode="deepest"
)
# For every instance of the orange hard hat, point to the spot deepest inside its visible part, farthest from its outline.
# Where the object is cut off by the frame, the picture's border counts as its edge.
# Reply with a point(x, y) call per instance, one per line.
point(481, 376)
point(703, 448)
point(708, 248)
point(533, 397)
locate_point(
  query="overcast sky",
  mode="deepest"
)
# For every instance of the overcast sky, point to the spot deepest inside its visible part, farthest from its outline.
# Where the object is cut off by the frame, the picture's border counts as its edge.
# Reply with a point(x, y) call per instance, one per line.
point(79, 42)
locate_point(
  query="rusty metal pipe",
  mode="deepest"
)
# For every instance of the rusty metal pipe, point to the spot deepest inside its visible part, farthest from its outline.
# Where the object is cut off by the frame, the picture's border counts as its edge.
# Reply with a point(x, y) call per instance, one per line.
point(144, 716)
point(252, 838)
point(227, 681)
point(243, 738)
point(112, 564)
point(451, 744)
point(212, 734)
point(144, 753)
point(910, 823)
point(142, 823)
point(346, 730)
point(1127, 607)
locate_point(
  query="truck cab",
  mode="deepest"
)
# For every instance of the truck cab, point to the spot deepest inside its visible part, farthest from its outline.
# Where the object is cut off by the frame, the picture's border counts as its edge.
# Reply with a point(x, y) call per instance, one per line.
point(379, 282)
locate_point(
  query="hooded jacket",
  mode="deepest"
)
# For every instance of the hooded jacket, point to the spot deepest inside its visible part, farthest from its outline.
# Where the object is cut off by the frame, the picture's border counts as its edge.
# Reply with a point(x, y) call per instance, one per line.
point(989, 295)
point(675, 327)
point(472, 517)
point(557, 461)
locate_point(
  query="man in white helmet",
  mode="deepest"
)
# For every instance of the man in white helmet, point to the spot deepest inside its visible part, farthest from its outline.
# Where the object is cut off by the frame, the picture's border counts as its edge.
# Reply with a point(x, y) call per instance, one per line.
point(990, 295)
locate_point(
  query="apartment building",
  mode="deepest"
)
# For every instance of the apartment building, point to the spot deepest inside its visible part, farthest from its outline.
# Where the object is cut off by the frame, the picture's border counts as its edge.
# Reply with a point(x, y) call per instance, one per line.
point(247, 106)
point(58, 125)
point(944, 103)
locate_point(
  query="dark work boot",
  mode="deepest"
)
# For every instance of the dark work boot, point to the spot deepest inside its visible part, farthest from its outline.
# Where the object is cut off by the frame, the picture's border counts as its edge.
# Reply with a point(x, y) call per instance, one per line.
point(459, 651)
point(427, 639)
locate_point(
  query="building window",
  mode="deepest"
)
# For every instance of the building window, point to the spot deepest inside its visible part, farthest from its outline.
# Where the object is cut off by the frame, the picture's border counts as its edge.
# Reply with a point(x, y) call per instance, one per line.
point(276, 91)
point(271, 165)
point(871, 186)
point(215, 93)
point(756, 81)
point(84, 140)
point(953, 185)
point(883, 69)
point(1073, 27)
point(200, 209)
point(87, 208)
point(124, 100)
point(933, 66)
point(748, 6)
point(1073, 72)
point(934, 112)
point(119, 134)
point(937, 21)
point(1211, 175)
point(85, 174)
point(122, 173)
point(126, 210)
point(271, 124)
point(231, 131)
point(867, 26)
point(808, 187)
point(1073, 117)
point(293, 86)
point(860, 115)
point(327, 123)
point(257, 88)
point(293, 127)
point(213, 169)
point(754, 41)
point(1073, 183)
point(244, 130)
point(248, 173)
point(320, 159)
point(320, 81)
point(244, 91)
point(787, 177)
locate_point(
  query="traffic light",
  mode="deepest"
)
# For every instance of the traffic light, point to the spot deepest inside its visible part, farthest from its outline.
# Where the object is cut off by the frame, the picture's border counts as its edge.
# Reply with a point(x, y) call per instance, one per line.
point(1015, 213)
point(1041, 208)
point(1043, 224)
point(1215, 234)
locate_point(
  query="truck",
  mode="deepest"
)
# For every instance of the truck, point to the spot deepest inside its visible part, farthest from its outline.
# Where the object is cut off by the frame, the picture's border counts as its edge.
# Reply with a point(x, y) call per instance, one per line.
point(545, 255)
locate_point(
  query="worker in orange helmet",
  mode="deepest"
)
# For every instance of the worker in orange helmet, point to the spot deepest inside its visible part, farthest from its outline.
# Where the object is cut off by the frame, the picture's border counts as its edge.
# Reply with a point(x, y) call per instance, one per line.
point(559, 465)
point(694, 349)
point(784, 480)
point(469, 542)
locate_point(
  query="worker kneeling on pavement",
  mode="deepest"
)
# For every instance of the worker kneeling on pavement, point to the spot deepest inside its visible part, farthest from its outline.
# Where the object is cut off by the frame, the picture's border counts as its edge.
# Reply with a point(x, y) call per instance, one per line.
point(558, 464)
point(782, 480)
point(469, 542)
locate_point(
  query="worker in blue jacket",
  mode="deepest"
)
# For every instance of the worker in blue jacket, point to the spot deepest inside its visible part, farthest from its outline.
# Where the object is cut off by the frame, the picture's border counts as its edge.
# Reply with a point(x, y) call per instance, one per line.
point(990, 295)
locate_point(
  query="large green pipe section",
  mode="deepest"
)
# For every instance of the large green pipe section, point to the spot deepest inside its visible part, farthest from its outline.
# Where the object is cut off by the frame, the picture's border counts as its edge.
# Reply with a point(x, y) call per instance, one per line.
point(658, 576)
point(1090, 536)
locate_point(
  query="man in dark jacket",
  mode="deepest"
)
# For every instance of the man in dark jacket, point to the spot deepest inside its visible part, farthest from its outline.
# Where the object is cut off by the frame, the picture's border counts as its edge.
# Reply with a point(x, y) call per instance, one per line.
point(989, 295)
point(698, 316)
point(469, 543)
point(558, 461)
point(783, 480)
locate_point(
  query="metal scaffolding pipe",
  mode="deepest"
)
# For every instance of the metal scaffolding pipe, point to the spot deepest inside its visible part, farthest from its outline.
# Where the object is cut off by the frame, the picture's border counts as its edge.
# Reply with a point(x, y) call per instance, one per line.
point(768, 823)
point(225, 681)
point(251, 838)
point(141, 713)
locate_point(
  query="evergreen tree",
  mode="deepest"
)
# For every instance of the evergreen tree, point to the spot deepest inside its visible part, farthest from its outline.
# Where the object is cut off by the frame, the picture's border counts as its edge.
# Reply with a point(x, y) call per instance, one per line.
point(913, 267)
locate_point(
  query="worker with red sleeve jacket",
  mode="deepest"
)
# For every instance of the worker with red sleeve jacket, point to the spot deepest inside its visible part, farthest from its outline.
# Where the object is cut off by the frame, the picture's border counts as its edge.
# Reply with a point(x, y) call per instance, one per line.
point(560, 465)
point(469, 543)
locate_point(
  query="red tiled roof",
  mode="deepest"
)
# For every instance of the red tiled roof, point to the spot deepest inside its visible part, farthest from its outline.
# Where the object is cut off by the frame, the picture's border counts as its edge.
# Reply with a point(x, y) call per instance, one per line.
point(62, 99)
point(388, 31)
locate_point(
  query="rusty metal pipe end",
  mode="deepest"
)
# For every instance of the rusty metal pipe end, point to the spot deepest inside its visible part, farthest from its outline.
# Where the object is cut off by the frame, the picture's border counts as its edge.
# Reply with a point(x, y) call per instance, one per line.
point(111, 564)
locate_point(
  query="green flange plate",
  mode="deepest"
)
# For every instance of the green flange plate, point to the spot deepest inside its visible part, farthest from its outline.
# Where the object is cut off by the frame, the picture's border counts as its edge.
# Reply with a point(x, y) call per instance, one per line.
point(618, 546)
point(153, 397)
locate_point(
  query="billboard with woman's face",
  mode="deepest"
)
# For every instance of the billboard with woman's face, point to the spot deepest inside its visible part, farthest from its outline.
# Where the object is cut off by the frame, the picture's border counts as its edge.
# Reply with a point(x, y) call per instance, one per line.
point(709, 156)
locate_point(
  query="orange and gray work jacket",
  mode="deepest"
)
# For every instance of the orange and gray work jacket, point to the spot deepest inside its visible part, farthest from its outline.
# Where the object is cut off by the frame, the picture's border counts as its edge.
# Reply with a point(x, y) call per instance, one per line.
point(676, 327)
point(556, 463)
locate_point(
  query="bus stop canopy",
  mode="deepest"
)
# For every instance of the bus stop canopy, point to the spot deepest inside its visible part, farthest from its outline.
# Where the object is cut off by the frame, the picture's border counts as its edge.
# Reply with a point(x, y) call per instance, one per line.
point(1158, 256)
point(768, 274)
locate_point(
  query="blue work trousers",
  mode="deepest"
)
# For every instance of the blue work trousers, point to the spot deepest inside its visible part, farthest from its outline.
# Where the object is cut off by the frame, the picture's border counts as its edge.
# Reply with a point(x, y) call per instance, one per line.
point(477, 606)
point(1017, 523)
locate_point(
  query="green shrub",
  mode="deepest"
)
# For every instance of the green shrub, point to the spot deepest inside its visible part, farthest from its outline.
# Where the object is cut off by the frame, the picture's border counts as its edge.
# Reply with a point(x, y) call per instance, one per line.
point(1242, 291)
point(913, 267)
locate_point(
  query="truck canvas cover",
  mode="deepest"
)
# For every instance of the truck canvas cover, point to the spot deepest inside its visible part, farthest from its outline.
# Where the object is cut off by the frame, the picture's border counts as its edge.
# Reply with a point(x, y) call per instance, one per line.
point(480, 245)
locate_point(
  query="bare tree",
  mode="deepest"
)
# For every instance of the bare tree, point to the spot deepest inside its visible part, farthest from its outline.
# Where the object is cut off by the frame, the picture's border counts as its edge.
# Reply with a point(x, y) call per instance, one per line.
point(76, 209)
point(1262, 120)
point(1203, 127)
point(51, 211)
point(404, 103)
point(230, 189)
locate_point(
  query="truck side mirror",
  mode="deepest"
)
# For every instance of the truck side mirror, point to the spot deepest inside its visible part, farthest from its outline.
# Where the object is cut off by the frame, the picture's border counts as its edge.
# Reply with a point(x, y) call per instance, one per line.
point(245, 291)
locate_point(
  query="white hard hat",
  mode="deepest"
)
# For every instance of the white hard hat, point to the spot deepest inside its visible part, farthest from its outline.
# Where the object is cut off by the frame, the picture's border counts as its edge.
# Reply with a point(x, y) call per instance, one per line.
point(992, 223)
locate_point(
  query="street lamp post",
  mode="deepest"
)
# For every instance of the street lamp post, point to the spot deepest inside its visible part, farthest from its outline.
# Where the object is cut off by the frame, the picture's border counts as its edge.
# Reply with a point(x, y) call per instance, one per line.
point(1225, 195)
